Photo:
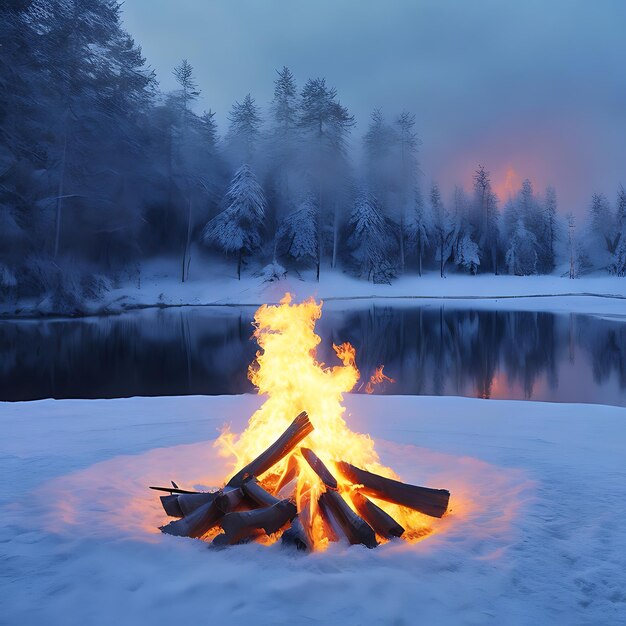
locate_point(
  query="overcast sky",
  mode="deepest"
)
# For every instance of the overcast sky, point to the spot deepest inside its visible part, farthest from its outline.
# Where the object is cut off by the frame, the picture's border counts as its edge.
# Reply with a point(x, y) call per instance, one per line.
point(529, 88)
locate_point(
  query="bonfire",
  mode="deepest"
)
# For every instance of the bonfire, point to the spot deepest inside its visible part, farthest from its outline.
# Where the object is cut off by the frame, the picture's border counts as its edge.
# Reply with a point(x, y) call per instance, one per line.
point(302, 475)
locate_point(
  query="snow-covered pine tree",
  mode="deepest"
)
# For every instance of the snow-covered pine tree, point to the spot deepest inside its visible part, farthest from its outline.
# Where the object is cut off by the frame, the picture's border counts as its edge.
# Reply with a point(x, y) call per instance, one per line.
point(445, 229)
point(466, 250)
point(243, 131)
point(618, 259)
point(599, 231)
point(370, 240)
point(325, 124)
point(551, 226)
point(419, 227)
point(485, 218)
point(297, 235)
point(238, 227)
point(521, 256)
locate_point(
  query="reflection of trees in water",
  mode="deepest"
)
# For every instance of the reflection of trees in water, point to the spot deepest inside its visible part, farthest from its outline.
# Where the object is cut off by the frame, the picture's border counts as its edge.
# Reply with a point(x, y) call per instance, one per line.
point(159, 352)
point(439, 350)
point(428, 350)
point(606, 346)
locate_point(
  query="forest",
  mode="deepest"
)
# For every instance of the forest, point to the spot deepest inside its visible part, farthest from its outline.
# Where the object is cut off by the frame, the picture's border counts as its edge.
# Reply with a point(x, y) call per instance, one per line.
point(100, 171)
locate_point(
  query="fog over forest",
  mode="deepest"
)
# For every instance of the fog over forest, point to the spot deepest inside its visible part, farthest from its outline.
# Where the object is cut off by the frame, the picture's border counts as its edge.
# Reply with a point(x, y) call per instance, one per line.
point(102, 170)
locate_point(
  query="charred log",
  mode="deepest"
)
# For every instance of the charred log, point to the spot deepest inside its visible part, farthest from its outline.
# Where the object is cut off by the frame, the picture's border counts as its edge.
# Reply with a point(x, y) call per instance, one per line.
point(355, 528)
point(433, 502)
point(257, 494)
point(288, 475)
point(170, 505)
point(294, 434)
point(242, 524)
point(206, 516)
point(319, 468)
point(382, 523)
point(299, 534)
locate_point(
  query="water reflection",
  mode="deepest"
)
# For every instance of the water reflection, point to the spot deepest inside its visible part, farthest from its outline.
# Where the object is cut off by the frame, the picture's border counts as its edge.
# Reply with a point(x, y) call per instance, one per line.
point(427, 350)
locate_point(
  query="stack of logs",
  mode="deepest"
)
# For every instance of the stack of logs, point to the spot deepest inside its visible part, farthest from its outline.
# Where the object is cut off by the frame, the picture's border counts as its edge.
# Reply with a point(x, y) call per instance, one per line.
point(244, 510)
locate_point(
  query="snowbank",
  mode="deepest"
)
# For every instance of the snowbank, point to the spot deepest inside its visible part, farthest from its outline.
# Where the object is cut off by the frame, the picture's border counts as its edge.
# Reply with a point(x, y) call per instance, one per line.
point(216, 284)
point(535, 533)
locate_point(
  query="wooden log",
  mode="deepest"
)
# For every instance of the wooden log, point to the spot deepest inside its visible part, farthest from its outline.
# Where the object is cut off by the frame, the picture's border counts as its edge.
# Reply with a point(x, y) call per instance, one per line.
point(355, 528)
point(319, 468)
point(189, 502)
point(330, 528)
point(293, 435)
point(206, 516)
point(242, 524)
point(179, 505)
point(257, 494)
point(288, 475)
point(382, 523)
point(297, 536)
point(170, 505)
point(433, 502)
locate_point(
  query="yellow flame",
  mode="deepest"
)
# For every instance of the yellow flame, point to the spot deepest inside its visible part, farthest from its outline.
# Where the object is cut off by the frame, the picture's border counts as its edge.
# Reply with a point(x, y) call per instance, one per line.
point(287, 372)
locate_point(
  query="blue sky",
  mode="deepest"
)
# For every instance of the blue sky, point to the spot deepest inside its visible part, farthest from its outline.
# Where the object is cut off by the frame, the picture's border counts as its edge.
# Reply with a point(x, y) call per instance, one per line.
point(531, 89)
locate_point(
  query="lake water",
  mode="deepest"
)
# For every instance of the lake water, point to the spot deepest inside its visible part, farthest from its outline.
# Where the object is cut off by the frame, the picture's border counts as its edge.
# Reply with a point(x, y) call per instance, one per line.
point(433, 349)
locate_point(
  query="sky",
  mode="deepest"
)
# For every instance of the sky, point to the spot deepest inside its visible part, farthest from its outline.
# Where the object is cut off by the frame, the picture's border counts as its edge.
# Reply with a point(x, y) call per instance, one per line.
point(531, 89)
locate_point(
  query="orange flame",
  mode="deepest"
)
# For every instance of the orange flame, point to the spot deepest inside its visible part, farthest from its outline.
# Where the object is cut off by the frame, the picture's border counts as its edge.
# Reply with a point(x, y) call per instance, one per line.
point(287, 372)
point(376, 378)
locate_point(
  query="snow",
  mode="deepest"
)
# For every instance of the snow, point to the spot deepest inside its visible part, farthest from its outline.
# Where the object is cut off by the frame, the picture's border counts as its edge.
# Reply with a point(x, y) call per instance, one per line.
point(215, 283)
point(536, 532)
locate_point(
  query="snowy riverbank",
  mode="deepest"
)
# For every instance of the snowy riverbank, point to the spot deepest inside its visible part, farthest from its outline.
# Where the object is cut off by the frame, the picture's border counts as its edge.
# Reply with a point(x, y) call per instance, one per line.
point(535, 534)
point(214, 284)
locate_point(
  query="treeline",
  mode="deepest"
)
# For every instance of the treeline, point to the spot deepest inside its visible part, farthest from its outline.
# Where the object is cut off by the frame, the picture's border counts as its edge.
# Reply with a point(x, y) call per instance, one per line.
point(99, 171)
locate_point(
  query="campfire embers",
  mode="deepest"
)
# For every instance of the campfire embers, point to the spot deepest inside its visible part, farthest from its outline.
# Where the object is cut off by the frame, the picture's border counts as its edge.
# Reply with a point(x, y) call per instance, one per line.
point(325, 509)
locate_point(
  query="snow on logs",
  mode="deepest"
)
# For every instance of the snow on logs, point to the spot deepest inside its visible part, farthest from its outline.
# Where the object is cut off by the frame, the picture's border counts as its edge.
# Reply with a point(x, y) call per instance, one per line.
point(244, 510)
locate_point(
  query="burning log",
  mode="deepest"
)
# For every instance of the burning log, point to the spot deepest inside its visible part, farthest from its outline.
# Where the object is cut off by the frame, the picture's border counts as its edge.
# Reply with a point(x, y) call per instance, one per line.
point(243, 524)
point(295, 433)
point(299, 534)
point(291, 471)
point(356, 529)
point(206, 516)
point(319, 468)
point(257, 494)
point(382, 523)
point(433, 502)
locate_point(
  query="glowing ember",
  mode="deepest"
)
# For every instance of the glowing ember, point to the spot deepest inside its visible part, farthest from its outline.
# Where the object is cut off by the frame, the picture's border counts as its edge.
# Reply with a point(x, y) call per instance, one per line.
point(303, 475)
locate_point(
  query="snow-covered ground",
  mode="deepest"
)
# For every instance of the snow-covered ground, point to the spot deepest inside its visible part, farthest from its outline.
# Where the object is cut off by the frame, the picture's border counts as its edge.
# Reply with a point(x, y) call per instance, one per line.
point(215, 283)
point(536, 533)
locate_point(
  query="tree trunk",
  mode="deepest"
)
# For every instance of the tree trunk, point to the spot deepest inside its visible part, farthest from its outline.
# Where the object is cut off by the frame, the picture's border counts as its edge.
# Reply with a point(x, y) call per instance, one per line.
point(402, 244)
point(239, 255)
point(187, 241)
point(60, 191)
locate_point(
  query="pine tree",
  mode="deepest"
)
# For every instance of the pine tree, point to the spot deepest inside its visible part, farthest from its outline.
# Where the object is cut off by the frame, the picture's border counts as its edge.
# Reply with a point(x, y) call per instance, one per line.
point(445, 230)
point(486, 218)
point(618, 259)
point(298, 232)
point(369, 240)
point(521, 256)
point(243, 131)
point(551, 227)
point(598, 236)
point(325, 125)
point(238, 227)
point(420, 227)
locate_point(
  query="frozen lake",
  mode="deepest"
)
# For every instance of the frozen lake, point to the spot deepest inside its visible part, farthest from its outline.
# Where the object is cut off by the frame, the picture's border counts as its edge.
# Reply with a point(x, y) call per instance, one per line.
point(436, 349)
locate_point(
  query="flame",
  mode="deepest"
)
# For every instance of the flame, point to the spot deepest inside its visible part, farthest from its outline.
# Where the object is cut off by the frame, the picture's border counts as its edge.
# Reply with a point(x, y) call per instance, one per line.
point(376, 378)
point(287, 373)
